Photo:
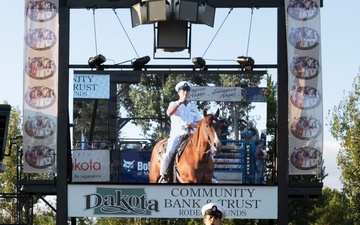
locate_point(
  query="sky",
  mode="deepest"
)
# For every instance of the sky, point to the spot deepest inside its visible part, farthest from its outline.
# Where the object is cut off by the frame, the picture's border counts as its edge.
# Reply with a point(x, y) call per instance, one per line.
point(228, 39)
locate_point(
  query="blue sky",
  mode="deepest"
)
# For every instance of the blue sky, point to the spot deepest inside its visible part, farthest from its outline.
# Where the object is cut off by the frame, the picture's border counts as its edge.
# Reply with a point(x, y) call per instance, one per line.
point(339, 41)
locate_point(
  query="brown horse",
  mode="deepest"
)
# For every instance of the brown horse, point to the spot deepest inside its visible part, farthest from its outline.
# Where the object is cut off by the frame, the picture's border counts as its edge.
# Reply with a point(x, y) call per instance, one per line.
point(195, 164)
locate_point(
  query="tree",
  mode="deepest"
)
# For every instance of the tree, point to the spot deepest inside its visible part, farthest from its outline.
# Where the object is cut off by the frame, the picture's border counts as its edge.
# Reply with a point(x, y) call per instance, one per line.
point(333, 208)
point(330, 208)
point(345, 127)
point(271, 124)
point(8, 178)
point(43, 216)
point(9, 210)
point(90, 121)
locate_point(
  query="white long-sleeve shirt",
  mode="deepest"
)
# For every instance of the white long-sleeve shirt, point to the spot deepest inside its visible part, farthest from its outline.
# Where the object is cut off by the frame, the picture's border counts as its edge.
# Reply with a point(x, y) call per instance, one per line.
point(183, 115)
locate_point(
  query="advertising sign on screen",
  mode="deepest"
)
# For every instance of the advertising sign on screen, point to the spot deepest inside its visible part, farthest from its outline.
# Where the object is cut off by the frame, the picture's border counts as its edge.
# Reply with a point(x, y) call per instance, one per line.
point(164, 201)
point(135, 166)
point(256, 94)
point(91, 86)
point(224, 94)
point(91, 166)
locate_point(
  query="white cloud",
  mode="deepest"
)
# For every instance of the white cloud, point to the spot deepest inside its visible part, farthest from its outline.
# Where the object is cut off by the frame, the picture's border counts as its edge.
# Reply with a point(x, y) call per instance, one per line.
point(331, 150)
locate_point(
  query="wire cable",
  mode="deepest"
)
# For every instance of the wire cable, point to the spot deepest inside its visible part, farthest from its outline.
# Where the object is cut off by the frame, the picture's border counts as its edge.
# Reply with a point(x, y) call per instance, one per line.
point(217, 31)
point(95, 31)
point(126, 33)
point(248, 43)
point(224, 60)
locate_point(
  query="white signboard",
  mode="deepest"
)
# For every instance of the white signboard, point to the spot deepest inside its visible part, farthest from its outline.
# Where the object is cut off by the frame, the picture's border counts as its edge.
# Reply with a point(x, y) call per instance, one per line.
point(164, 201)
point(219, 94)
point(91, 165)
point(91, 86)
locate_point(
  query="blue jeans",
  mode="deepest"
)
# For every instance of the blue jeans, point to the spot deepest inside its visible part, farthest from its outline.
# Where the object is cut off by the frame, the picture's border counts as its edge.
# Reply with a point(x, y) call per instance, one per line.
point(260, 170)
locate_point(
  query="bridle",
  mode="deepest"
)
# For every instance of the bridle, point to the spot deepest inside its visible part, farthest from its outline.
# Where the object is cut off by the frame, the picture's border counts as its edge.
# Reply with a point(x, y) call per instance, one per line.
point(211, 149)
point(208, 152)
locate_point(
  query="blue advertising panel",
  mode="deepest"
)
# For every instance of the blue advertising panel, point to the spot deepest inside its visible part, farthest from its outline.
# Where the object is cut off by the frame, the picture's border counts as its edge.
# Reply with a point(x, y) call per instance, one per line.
point(135, 166)
point(256, 94)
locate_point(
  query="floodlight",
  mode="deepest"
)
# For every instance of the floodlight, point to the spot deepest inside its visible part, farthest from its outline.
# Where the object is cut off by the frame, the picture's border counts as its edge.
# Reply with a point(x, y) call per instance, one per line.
point(186, 10)
point(159, 10)
point(245, 62)
point(140, 63)
point(95, 62)
point(206, 14)
point(139, 14)
point(199, 63)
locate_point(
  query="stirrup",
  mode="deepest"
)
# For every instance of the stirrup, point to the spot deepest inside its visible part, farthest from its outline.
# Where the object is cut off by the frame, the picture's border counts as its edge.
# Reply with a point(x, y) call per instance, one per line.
point(163, 179)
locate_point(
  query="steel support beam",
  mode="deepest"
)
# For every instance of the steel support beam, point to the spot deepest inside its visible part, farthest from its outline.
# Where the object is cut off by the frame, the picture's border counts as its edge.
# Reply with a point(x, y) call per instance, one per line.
point(35, 187)
point(304, 189)
point(174, 67)
point(282, 119)
point(215, 3)
point(63, 135)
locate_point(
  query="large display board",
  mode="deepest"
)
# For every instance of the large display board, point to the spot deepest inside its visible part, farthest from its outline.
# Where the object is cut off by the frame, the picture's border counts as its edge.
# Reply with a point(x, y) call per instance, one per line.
point(128, 162)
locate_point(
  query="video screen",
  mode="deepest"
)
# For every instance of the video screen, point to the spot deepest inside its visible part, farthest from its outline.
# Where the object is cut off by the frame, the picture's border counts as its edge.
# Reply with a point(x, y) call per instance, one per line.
point(190, 129)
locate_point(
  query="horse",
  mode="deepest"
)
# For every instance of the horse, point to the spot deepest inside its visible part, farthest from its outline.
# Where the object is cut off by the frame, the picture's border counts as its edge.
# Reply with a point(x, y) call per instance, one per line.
point(195, 165)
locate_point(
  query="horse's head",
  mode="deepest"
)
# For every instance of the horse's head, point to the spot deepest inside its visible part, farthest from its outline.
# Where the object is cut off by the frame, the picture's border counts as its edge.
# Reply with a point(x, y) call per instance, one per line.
point(212, 128)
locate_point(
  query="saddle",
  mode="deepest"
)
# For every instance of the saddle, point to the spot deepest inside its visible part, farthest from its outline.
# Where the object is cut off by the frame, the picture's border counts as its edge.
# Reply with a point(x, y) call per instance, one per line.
point(172, 169)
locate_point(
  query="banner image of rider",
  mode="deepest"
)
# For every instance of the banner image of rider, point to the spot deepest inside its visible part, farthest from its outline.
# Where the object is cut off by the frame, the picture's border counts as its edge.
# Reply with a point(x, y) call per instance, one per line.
point(183, 116)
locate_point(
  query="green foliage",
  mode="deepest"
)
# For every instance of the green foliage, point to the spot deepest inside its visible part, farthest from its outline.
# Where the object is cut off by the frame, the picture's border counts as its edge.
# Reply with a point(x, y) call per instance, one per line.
point(8, 184)
point(271, 104)
point(43, 216)
point(330, 208)
point(302, 211)
point(345, 127)
point(8, 178)
point(90, 113)
point(334, 208)
point(271, 121)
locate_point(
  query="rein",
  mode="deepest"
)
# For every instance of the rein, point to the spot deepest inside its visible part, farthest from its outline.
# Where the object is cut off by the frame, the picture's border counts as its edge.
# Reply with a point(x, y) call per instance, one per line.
point(178, 177)
point(205, 152)
point(210, 143)
point(203, 132)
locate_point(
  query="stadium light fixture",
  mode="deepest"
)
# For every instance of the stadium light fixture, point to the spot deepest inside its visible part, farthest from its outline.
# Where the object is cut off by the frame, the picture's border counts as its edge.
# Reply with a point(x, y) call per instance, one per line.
point(140, 63)
point(95, 62)
point(199, 62)
point(246, 63)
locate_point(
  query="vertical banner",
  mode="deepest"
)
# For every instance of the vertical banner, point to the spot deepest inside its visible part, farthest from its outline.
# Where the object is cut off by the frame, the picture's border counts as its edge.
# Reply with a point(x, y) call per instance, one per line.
point(305, 86)
point(40, 85)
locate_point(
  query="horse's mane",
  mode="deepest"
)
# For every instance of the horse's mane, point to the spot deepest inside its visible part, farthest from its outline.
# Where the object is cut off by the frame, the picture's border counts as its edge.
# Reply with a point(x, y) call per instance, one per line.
point(199, 124)
point(196, 134)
